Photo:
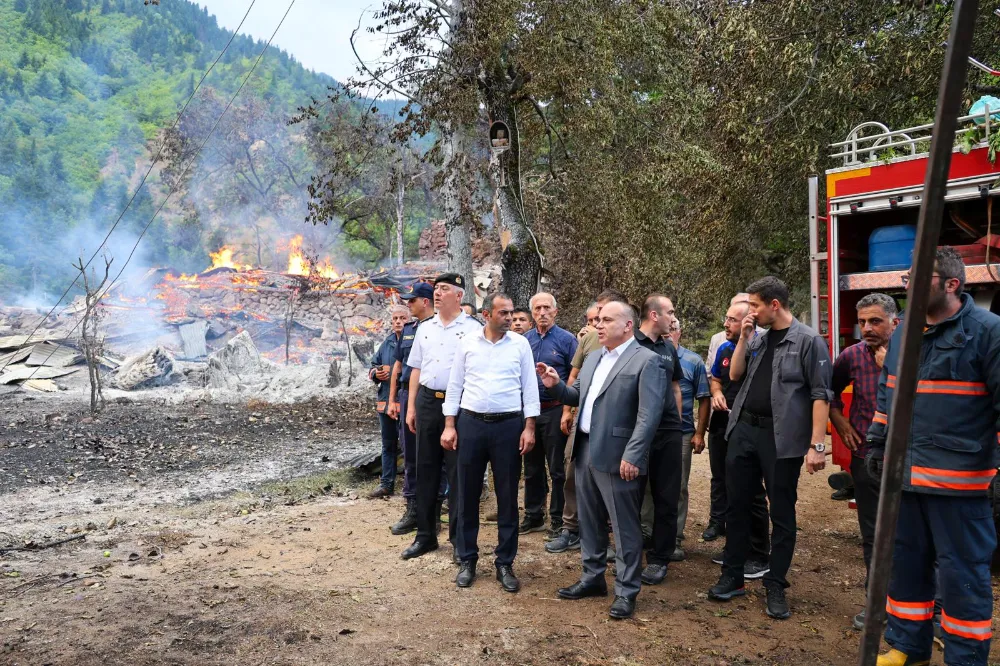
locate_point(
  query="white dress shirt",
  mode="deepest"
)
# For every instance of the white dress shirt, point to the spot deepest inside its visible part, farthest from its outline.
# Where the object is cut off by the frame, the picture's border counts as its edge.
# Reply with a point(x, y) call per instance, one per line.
point(608, 359)
point(434, 348)
point(493, 378)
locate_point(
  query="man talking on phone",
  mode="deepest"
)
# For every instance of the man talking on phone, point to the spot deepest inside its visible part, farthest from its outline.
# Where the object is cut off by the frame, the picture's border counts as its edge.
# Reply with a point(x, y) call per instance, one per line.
point(778, 419)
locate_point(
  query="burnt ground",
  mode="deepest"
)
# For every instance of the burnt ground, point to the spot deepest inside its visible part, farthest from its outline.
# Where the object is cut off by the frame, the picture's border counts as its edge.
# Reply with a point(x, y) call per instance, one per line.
point(214, 534)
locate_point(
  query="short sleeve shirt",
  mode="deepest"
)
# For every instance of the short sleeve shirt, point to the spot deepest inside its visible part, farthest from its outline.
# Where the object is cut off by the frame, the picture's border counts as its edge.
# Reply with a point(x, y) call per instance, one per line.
point(670, 421)
point(434, 348)
point(694, 385)
point(589, 343)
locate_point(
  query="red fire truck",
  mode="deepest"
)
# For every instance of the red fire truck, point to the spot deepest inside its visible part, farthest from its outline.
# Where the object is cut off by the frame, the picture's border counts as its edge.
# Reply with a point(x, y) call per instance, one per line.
point(872, 202)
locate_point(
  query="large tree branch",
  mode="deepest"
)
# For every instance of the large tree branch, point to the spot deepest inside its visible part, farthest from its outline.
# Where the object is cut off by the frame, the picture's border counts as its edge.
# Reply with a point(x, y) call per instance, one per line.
point(364, 66)
point(802, 91)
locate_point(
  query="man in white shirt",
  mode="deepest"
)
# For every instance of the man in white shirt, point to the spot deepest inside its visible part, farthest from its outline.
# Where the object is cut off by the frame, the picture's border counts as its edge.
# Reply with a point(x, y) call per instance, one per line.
point(430, 358)
point(489, 412)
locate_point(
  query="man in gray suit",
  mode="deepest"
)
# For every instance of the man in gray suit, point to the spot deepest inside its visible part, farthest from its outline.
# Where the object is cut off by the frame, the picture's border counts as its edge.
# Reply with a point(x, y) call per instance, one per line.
point(620, 393)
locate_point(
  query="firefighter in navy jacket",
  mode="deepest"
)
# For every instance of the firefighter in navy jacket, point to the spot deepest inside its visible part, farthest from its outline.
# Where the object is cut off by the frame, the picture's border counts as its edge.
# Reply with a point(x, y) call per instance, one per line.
point(951, 459)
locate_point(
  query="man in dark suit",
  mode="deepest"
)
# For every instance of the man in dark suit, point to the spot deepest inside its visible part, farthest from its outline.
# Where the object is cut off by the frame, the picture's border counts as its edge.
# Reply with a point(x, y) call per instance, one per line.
point(620, 393)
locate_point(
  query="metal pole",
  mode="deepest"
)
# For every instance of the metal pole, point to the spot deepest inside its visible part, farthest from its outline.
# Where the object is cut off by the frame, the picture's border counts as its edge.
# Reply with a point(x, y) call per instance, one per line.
point(928, 232)
point(814, 251)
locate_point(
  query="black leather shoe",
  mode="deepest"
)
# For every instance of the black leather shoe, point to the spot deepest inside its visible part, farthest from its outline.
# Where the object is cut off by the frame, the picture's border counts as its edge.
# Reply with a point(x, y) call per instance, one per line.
point(713, 532)
point(466, 574)
point(622, 608)
point(654, 574)
point(580, 590)
point(418, 548)
point(508, 581)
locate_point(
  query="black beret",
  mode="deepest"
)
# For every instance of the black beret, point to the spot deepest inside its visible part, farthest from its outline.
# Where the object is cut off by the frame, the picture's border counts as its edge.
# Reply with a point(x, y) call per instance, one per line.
point(450, 278)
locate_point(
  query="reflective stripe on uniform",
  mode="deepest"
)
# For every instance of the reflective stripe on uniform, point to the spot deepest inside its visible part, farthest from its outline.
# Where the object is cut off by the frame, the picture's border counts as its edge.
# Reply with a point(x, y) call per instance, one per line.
point(944, 387)
point(978, 630)
point(930, 477)
point(880, 418)
point(916, 611)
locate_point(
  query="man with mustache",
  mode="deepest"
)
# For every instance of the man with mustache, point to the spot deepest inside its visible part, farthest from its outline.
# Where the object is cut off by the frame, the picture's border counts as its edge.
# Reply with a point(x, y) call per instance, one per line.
point(859, 367)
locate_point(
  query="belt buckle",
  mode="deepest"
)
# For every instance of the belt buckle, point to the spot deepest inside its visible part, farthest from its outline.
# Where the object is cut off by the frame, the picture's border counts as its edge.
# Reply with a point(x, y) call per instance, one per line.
point(439, 395)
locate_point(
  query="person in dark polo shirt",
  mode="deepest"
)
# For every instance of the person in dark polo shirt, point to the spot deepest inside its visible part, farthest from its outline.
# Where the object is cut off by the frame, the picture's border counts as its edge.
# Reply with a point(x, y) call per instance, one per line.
point(778, 419)
point(665, 455)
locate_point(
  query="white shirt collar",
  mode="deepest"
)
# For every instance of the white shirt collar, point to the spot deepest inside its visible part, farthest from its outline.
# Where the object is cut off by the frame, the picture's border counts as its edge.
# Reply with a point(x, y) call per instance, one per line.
point(505, 338)
point(620, 349)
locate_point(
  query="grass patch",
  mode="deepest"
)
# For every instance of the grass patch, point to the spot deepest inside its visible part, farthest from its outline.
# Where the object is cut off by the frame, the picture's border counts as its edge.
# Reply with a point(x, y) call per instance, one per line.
point(335, 482)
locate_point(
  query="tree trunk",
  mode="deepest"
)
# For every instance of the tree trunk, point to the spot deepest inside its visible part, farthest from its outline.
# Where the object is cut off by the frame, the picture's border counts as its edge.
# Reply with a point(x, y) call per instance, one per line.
point(520, 262)
point(454, 204)
point(400, 196)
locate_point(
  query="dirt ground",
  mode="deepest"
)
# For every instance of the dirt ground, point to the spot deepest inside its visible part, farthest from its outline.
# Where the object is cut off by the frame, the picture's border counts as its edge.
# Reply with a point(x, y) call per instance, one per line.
point(253, 549)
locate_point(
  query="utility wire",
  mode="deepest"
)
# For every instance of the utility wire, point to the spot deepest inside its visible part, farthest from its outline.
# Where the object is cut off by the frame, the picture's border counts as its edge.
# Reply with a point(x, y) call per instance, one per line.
point(142, 182)
point(173, 189)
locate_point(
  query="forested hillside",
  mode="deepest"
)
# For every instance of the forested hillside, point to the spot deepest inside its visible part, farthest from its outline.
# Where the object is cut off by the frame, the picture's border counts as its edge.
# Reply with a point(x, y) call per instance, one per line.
point(87, 88)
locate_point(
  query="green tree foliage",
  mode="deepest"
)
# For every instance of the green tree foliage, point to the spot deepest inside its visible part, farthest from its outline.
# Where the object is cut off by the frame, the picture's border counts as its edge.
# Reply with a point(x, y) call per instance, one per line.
point(665, 146)
point(86, 89)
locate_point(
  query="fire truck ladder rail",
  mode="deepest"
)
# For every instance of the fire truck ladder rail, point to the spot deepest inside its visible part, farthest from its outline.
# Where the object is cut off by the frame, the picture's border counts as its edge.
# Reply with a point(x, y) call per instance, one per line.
point(857, 149)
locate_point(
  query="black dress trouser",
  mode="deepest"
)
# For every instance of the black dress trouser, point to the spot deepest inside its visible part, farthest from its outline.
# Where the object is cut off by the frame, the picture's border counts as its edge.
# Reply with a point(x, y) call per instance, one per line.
point(430, 426)
point(760, 521)
point(751, 455)
point(497, 443)
point(664, 477)
point(866, 492)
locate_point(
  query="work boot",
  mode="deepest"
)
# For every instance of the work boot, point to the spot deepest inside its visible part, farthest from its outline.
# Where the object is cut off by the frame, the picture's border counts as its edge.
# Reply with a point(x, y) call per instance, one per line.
point(380, 493)
point(896, 658)
point(408, 522)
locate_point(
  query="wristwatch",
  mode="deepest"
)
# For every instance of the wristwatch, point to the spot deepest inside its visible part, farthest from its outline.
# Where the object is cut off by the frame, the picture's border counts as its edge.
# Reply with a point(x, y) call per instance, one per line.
point(820, 447)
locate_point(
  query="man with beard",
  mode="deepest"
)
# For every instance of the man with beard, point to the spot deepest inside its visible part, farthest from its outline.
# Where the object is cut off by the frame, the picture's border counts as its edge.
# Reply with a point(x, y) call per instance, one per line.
point(859, 367)
point(490, 411)
point(724, 392)
point(778, 419)
point(945, 536)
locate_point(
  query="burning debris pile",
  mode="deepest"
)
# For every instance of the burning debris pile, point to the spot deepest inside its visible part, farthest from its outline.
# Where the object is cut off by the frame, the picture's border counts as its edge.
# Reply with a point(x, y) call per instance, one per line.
point(170, 326)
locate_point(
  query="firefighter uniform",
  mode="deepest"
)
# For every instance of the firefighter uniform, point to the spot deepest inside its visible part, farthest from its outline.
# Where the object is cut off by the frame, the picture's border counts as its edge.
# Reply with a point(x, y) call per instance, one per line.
point(945, 514)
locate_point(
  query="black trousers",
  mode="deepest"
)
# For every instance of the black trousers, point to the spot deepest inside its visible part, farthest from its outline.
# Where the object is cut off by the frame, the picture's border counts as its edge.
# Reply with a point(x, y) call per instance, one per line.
point(497, 444)
point(752, 455)
point(664, 477)
point(760, 521)
point(430, 425)
point(866, 492)
point(550, 448)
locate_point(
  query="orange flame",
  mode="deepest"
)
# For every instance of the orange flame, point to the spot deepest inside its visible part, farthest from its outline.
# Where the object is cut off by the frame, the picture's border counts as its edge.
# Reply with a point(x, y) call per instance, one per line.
point(299, 264)
point(223, 258)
